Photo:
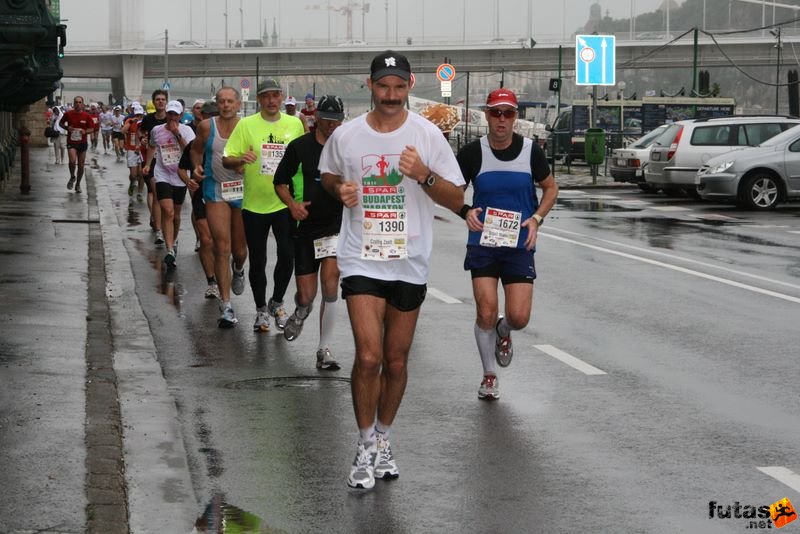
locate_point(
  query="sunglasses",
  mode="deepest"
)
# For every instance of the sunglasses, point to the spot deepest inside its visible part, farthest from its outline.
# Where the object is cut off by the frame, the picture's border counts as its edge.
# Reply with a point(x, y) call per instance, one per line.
point(507, 113)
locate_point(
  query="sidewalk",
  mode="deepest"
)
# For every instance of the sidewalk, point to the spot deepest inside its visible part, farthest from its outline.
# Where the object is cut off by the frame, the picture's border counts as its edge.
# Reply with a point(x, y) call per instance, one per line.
point(580, 177)
point(64, 265)
point(43, 279)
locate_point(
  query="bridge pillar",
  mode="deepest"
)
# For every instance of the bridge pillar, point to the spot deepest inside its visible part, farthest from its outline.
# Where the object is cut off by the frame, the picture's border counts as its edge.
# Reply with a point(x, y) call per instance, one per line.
point(132, 81)
point(118, 89)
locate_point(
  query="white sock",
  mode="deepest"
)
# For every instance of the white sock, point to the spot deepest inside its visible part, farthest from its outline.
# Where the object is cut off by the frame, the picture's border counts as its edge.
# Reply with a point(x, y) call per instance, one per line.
point(486, 340)
point(367, 434)
point(382, 429)
point(327, 321)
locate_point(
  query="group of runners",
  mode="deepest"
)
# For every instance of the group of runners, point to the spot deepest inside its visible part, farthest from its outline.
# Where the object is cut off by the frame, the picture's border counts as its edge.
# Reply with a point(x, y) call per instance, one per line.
point(349, 205)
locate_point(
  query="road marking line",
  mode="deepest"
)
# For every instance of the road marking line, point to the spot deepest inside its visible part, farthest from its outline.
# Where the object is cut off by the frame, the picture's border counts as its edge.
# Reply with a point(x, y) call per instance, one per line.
point(674, 257)
point(783, 475)
point(681, 270)
point(714, 217)
point(671, 208)
point(794, 231)
point(570, 360)
point(444, 297)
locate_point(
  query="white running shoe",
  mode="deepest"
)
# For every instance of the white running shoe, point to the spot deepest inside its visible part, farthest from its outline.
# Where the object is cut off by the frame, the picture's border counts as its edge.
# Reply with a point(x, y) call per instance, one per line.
point(212, 291)
point(228, 319)
point(262, 322)
point(362, 472)
point(489, 389)
point(385, 466)
point(277, 310)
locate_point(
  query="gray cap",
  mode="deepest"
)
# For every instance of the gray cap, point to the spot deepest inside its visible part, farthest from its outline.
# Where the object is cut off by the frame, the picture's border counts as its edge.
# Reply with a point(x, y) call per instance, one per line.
point(270, 84)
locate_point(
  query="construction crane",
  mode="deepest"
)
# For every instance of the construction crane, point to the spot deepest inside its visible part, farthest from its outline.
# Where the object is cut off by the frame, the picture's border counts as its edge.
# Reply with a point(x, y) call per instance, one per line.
point(347, 11)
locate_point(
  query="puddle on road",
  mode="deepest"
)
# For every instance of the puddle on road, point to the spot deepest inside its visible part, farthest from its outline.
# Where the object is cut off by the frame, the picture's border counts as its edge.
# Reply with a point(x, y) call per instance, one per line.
point(167, 282)
point(599, 204)
point(283, 382)
point(221, 517)
point(133, 216)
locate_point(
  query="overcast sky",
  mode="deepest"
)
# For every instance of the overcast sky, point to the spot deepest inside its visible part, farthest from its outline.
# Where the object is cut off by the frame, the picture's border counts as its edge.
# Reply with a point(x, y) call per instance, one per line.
point(300, 20)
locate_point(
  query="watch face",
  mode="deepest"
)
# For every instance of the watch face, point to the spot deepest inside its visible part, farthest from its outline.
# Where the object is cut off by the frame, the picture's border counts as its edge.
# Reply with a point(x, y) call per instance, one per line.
point(431, 180)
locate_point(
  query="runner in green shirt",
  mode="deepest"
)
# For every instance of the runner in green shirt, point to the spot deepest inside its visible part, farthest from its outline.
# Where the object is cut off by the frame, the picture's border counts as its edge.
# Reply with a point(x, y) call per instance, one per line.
point(255, 147)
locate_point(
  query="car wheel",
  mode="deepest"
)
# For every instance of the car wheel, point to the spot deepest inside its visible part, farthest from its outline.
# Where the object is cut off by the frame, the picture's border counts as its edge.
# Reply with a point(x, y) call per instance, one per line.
point(647, 188)
point(759, 192)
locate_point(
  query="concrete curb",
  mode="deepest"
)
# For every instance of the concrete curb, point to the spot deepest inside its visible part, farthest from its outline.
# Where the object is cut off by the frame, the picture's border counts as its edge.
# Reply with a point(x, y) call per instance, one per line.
point(160, 493)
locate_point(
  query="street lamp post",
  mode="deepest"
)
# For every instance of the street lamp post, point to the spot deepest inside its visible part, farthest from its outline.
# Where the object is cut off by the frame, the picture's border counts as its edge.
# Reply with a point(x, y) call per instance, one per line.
point(621, 86)
point(777, 33)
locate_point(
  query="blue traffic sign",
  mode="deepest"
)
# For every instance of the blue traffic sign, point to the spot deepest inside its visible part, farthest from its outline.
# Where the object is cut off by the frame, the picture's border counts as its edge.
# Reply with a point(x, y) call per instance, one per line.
point(595, 58)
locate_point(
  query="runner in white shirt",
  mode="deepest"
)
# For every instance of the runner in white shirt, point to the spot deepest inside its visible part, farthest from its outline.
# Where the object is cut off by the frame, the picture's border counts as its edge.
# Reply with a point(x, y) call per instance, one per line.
point(167, 142)
point(387, 167)
point(105, 128)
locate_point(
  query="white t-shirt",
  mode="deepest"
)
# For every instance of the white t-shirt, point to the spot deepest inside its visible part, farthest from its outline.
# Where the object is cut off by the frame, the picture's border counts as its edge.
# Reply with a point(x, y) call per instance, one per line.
point(168, 153)
point(359, 154)
point(105, 120)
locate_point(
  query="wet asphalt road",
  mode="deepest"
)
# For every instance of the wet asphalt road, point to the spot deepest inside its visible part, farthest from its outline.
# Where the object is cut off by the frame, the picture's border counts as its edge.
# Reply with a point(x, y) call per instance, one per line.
point(688, 310)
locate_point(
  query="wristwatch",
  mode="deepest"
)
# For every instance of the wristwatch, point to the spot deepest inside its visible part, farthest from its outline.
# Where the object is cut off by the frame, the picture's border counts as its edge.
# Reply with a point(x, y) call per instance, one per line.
point(430, 180)
point(538, 218)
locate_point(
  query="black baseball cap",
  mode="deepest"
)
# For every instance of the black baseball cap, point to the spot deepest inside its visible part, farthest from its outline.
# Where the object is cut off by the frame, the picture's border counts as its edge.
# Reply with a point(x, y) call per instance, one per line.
point(330, 107)
point(390, 63)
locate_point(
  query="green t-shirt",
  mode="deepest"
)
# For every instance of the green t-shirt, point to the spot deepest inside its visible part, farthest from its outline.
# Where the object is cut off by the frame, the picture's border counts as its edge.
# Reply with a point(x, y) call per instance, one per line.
point(268, 140)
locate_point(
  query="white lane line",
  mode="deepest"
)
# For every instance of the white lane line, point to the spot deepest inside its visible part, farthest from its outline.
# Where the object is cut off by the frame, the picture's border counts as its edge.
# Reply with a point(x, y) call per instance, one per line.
point(603, 197)
point(783, 475)
point(714, 217)
point(794, 231)
point(674, 257)
point(681, 270)
point(570, 360)
point(441, 295)
point(670, 208)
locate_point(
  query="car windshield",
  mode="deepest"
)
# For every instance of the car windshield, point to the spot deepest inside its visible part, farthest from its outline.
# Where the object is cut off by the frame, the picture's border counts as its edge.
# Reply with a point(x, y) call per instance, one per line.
point(649, 138)
point(790, 133)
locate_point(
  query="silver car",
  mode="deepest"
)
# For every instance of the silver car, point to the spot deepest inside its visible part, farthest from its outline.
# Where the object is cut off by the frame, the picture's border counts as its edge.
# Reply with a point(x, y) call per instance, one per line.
point(687, 145)
point(756, 178)
point(627, 164)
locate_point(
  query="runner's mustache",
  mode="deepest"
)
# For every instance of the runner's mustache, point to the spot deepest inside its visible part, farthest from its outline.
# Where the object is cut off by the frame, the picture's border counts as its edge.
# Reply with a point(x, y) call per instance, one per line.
point(392, 102)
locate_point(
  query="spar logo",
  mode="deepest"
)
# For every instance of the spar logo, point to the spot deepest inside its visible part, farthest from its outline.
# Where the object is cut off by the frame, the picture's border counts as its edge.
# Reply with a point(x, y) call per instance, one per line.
point(777, 515)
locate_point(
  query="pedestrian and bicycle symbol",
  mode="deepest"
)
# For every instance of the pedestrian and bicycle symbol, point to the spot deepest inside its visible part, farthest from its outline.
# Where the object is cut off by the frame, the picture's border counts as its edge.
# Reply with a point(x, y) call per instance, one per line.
point(595, 58)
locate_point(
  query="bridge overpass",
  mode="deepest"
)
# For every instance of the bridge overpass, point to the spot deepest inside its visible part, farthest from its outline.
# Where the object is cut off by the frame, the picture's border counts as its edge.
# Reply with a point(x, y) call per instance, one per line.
point(127, 68)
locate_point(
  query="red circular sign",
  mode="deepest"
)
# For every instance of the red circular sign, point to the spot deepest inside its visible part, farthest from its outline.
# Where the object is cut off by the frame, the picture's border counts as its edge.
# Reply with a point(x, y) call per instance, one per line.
point(446, 72)
point(587, 54)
